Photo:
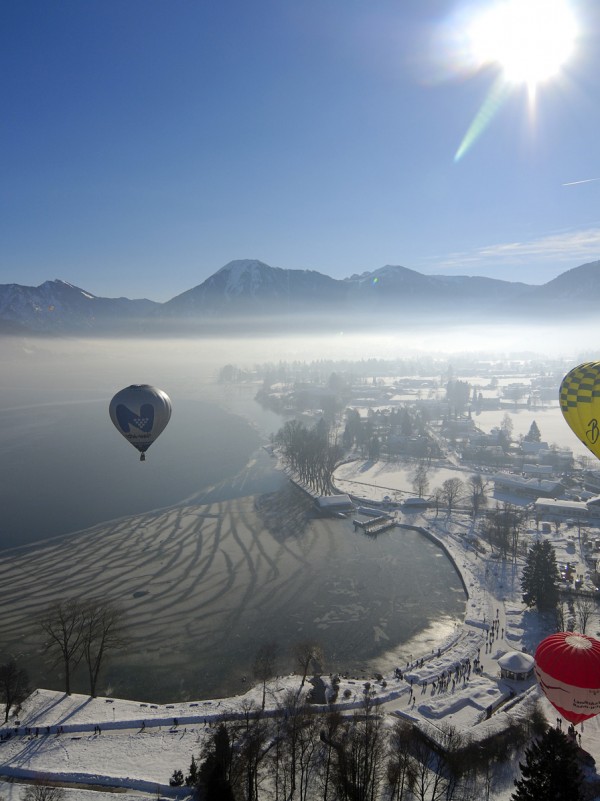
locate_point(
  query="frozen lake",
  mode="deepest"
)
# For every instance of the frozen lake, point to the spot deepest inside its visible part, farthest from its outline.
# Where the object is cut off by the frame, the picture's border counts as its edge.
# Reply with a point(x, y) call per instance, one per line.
point(204, 545)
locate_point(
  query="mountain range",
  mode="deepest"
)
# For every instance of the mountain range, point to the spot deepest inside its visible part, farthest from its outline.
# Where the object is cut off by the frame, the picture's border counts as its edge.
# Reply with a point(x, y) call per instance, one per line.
point(248, 295)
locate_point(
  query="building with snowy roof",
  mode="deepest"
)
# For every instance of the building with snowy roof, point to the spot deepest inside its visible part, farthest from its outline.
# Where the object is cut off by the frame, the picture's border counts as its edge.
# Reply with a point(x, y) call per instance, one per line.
point(530, 488)
point(553, 509)
point(334, 503)
point(516, 665)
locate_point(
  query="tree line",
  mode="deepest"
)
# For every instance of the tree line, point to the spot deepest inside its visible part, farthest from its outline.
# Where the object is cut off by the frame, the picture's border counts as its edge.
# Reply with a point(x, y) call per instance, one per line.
point(300, 755)
point(309, 453)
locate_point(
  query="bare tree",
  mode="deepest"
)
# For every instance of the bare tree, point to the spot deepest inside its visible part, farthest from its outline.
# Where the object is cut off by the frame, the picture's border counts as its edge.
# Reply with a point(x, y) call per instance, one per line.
point(401, 772)
point(420, 480)
point(298, 746)
point(503, 527)
point(252, 746)
point(437, 765)
point(506, 430)
point(477, 489)
point(264, 665)
point(63, 625)
point(103, 629)
point(79, 630)
point(437, 500)
point(585, 608)
point(307, 762)
point(452, 492)
point(307, 653)
point(360, 754)
point(562, 616)
point(14, 686)
point(328, 733)
point(39, 792)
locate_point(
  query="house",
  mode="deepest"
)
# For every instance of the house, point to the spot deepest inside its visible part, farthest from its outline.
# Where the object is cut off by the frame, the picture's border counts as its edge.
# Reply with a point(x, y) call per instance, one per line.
point(538, 470)
point(552, 509)
point(533, 447)
point(591, 479)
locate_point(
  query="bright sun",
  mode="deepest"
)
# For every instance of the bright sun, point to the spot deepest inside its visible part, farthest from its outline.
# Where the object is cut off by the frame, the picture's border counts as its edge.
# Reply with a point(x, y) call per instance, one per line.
point(529, 39)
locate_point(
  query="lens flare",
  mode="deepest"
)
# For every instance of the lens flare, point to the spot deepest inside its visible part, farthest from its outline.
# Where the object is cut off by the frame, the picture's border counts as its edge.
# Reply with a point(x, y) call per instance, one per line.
point(530, 41)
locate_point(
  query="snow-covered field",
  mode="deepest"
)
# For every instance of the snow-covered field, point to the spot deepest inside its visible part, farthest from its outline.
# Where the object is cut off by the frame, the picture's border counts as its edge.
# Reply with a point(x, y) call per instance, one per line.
point(139, 745)
point(375, 480)
point(549, 419)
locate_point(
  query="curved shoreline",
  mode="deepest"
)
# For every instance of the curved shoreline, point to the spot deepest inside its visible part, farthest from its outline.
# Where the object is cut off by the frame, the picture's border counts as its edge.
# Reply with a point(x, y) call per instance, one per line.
point(479, 706)
point(109, 542)
point(438, 541)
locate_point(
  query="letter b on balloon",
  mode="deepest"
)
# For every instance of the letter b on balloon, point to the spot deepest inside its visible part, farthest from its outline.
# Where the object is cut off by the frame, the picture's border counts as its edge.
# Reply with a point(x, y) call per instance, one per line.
point(580, 404)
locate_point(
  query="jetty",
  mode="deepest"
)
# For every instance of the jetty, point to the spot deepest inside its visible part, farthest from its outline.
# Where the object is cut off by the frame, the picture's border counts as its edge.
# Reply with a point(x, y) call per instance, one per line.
point(375, 525)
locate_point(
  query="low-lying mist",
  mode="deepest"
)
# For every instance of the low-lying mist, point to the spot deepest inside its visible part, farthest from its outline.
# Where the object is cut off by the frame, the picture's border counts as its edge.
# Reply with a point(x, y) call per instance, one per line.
point(85, 363)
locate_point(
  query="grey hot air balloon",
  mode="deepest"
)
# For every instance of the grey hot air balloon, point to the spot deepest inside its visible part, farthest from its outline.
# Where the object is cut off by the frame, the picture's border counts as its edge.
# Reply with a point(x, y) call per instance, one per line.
point(140, 413)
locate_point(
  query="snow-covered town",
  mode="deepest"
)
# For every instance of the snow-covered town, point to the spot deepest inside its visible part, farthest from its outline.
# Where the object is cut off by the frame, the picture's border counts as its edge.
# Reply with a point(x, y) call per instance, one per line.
point(476, 681)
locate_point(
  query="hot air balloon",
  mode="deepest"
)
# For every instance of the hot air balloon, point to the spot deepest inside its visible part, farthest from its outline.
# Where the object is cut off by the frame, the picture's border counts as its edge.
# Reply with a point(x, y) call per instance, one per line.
point(567, 667)
point(140, 413)
point(580, 403)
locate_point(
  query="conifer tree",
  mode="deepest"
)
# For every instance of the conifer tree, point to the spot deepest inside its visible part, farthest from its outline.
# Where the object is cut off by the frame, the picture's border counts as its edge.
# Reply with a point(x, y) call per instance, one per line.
point(540, 577)
point(534, 434)
point(214, 771)
point(550, 771)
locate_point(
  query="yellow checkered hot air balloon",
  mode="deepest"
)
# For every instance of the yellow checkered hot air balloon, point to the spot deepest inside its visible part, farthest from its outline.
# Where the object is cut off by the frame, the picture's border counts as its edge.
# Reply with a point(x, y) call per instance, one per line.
point(580, 403)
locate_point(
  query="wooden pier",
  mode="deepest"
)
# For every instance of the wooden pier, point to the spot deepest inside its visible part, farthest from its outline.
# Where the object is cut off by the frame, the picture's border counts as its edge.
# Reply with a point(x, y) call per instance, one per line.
point(376, 525)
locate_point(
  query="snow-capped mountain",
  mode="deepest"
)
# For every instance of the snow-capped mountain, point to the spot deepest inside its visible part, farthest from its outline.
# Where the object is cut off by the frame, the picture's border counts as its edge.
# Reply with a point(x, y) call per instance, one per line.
point(57, 306)
point(251, 287)
point(249, 293)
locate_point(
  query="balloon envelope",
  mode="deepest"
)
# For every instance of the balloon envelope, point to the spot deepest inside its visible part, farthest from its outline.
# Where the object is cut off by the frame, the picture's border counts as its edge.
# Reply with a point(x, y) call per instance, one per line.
point(567, 667)
point(140, 413)
point(580, 403)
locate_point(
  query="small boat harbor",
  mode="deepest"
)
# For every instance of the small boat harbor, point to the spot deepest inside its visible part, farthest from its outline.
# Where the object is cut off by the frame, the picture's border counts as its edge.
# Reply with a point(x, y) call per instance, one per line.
point(375, 525)
point(375, 520)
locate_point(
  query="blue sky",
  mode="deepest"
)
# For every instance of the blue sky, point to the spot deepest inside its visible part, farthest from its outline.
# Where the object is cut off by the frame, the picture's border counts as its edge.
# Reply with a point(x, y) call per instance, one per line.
point(146, 143)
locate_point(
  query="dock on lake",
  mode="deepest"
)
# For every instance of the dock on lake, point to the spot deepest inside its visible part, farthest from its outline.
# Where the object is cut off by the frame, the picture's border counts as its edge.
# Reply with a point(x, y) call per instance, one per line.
point(376, 525)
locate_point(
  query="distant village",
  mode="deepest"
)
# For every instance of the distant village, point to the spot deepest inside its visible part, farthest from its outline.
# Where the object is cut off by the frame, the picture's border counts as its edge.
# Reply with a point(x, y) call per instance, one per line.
point(426, 412)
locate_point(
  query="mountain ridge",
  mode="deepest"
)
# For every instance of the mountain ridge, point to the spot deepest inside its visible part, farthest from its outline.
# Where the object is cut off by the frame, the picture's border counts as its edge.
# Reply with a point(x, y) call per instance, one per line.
point(249, 292)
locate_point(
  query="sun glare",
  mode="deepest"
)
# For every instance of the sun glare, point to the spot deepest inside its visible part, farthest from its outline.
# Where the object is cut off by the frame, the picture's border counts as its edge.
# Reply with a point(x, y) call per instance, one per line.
point(530, 40)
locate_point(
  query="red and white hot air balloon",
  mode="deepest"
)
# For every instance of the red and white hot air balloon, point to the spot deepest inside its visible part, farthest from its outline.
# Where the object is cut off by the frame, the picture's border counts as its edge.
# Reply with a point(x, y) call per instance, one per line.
point(567, 667)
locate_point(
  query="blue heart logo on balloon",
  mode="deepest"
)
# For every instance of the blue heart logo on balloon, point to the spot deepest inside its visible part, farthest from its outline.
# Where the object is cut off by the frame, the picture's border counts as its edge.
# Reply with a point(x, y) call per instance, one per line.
point(142, 421)
point(142, 426)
